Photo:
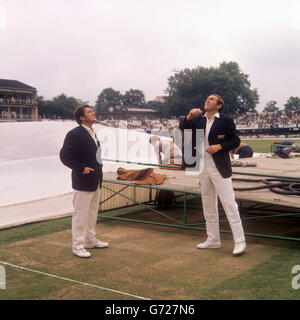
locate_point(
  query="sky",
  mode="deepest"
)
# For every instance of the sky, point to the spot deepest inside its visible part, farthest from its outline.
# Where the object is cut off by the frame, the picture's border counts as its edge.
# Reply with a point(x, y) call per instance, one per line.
point(81, 47)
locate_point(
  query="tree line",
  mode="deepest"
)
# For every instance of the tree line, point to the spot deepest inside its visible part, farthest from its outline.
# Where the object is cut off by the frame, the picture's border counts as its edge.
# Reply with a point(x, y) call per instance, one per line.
point(187, 88)
point(292, 104)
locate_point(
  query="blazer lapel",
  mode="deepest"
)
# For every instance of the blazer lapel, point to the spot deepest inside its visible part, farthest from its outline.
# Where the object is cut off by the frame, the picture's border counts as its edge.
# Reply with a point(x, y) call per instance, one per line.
point(214, 125)
point(89, 138)
point(203, 122)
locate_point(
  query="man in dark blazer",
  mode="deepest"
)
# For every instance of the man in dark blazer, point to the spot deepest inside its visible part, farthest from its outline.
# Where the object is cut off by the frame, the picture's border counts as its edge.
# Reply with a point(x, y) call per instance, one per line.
point(220, 137)
point(79, 154)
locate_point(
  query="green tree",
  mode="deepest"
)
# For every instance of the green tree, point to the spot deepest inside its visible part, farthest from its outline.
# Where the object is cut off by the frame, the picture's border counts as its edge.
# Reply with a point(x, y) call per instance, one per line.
point(134, 98)
point(60, 106)
point(271, 106)
point(45, 109)
point(108, 97)
point(64, 106)
point(293, 104)
point(81, 102)
point(155, 105)
point(190, 87)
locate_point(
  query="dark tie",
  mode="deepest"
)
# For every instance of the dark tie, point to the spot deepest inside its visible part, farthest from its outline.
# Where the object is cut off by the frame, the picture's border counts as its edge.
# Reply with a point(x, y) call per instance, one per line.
point(98, 143)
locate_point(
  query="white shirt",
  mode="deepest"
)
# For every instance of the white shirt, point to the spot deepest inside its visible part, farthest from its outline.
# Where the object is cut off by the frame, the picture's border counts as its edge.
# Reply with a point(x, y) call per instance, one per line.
point(91, 132)
point(209, 123)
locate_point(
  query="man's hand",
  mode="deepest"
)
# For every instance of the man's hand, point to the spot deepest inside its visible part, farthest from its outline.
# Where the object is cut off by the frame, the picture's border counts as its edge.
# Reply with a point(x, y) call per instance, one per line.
point(213, 148)
point(87, 170)
point(193, 113)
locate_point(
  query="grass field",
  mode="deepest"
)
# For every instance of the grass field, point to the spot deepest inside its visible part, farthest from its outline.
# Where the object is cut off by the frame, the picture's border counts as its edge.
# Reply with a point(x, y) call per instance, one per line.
point(147, 261)
point(263, 146)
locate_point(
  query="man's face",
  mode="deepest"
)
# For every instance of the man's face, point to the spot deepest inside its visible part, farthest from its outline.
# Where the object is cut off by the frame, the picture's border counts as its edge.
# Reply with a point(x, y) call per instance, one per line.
point(89, 116)
point(211, 104)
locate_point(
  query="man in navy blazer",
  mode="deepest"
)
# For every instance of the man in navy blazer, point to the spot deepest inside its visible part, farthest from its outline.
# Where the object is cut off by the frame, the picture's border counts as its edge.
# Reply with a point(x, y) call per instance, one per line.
point(222, 134)
point(219, 139)
point(79, 154)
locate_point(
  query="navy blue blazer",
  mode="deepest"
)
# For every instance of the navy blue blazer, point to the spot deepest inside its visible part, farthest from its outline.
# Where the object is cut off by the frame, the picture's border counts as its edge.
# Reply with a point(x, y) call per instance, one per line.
point(223, 132)
point(79, 151)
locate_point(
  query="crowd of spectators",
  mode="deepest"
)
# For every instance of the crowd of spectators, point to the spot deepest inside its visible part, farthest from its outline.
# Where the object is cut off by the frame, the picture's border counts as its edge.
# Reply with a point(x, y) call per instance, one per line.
point(280, 119)
point(145, 124)
point(253, 120)
point(15, 101)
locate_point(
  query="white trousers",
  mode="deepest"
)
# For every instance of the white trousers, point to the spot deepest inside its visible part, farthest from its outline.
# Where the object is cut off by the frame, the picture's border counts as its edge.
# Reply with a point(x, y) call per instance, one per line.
point(84, 220)
point(213, 185)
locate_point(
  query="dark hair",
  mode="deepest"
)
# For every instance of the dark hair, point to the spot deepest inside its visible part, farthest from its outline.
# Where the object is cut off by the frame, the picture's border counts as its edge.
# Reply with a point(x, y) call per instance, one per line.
point(79, 112)
point(219, 100)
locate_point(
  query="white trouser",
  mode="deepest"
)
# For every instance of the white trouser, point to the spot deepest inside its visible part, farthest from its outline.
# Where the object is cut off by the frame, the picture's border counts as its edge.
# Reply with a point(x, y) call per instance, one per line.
point(213, 185)
point(84, 220)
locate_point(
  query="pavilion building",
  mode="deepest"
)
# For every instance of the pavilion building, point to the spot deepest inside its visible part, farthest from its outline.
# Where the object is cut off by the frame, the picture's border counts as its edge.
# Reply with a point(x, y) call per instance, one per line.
point(18, 101)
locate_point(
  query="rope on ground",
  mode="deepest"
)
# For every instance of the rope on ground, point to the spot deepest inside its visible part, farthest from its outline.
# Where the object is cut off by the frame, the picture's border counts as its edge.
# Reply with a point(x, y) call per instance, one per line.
point(72, 280)
point(278, 185)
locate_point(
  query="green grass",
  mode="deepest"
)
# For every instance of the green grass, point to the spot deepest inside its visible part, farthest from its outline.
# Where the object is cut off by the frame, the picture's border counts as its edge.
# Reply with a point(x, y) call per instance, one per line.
point(33, 230)
point(263, 146)
point(270, 279)
point(155, 262)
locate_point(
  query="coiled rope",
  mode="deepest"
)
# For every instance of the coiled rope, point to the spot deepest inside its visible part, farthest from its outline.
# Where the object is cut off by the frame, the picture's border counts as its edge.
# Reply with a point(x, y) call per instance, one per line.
point(276, 185)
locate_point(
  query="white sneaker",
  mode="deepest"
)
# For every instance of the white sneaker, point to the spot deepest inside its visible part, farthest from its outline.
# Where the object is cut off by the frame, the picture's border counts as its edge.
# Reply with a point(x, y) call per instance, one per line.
point(209, 245)
point(239, 248)
point(98, 244)
point(82, 253)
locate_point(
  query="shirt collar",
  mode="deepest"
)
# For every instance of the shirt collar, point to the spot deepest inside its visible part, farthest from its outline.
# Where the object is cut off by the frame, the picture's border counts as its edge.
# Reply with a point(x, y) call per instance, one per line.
point(88, 129)
point(217, 115)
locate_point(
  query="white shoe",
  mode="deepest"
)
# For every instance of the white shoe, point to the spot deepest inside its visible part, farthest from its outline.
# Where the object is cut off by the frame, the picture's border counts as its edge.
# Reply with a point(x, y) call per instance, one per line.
point(239, 248)
point(209, 245)
point(82, 253)
point(98, 244)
